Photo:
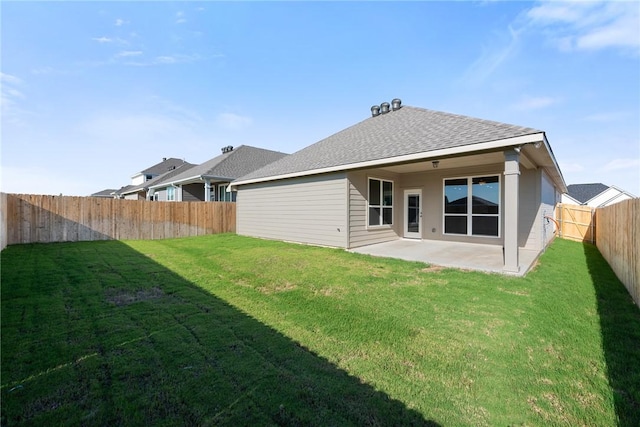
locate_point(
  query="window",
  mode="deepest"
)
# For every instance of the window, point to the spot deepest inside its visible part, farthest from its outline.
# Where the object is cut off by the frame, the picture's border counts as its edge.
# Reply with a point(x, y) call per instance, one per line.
point(380, 202)
point(222, 193)
point(171, 194)
point(472, 206)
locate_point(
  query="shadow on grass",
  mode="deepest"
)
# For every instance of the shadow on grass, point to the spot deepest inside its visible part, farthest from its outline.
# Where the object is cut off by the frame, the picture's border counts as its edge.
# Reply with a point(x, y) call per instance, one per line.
point(620, 326)
point(99, 334)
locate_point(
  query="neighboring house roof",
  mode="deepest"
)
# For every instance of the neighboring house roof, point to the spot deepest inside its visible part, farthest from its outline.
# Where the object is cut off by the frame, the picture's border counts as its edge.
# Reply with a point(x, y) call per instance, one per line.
point(407, 134)
point(124, 190)
point(585, 192)
point(227, 166)
point(167, 175)
point(162, 167)
point(104, 193)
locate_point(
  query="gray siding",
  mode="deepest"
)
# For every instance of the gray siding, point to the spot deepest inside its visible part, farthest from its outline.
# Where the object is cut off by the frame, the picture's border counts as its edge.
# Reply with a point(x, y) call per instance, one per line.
point(359, 233)
point(432, 185)
point(547, 207)
point(306, 210)
point(538, 198)
point(193, 192)
point(530, 223)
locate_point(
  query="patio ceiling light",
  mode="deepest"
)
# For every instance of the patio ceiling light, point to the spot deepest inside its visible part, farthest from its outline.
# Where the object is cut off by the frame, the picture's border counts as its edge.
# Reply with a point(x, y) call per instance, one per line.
point(435, 164)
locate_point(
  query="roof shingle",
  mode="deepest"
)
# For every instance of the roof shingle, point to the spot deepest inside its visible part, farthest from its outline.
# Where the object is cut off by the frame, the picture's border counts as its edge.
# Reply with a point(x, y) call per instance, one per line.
point(585, 192)
point(409, 130)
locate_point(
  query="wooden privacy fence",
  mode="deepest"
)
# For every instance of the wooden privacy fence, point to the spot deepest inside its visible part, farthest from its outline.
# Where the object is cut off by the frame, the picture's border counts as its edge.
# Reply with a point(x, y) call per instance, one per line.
point(37, 218)
point(577, 222)
point(618, 240)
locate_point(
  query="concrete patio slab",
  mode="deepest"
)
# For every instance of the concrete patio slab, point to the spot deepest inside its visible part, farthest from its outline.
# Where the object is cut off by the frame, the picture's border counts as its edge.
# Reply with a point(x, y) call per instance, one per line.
point(467, 256)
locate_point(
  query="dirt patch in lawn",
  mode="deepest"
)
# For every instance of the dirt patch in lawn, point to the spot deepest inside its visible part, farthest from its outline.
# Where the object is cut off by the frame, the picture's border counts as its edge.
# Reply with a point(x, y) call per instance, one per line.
point(120, 297)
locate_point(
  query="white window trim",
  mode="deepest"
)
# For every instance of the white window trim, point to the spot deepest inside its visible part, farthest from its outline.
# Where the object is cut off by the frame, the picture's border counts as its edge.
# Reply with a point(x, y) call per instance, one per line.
point(393, 197)
point(171, 194)
point(470, 213)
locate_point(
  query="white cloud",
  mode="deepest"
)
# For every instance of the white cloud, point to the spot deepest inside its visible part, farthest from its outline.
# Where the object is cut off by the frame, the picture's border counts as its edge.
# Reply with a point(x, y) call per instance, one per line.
point(233, 121)
point(534, 103)
point(593, 25)
point(8, 78)
point(105, 39)
point(619, 164)
point(129, 53)
point(180, 18)
point(120, 22)
point(492, 58)
point(10, 100)
point(606, 117)
point(102, 39)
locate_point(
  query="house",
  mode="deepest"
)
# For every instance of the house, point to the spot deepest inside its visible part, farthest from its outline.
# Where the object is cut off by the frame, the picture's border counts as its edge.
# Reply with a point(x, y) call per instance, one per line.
point(158, 169)
point(594, 195)
point(210, 180)
point(141, 191)
point(104, 194)
point(410, 173)
point(137, 189)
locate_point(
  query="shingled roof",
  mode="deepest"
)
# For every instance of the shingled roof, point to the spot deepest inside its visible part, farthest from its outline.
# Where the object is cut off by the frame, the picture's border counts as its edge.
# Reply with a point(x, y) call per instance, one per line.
point(585, 192)
point(165, 165)
point(406, 131)
point(227, 166)
point(162, 177)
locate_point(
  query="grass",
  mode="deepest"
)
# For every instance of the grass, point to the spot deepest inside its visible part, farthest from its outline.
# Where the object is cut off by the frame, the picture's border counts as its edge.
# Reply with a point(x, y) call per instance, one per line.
point(227, 330)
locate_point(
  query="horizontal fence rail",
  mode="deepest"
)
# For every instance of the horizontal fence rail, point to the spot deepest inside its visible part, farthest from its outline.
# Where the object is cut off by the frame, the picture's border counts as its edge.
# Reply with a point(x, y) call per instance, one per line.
point(618, 240)
point(39, 218)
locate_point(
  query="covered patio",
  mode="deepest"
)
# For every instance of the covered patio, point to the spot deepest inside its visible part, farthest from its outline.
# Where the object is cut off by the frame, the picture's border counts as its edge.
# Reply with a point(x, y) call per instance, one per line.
point(467, 256)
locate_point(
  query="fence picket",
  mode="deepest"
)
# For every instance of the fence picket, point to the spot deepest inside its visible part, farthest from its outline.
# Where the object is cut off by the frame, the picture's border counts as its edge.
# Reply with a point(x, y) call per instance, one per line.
point(38, 218)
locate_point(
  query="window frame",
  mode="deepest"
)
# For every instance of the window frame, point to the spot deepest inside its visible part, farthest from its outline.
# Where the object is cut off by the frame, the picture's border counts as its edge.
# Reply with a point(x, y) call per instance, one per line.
point(469, 214)
point(381, 206)
point(222, 188)
point(171, 194)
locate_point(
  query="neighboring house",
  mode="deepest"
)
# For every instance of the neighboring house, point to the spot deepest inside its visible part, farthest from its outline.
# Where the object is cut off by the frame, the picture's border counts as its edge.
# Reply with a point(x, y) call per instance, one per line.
point(148, 174)
point(137, 190)
point(141, 191)
point(411, 173)
point(104, 194)
point(594, 195)
point(210, 180)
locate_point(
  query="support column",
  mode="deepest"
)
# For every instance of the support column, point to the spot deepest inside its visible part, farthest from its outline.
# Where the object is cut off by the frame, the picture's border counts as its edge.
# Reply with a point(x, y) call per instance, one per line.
point(510, 211)
point(150, 193)
point(207, 190)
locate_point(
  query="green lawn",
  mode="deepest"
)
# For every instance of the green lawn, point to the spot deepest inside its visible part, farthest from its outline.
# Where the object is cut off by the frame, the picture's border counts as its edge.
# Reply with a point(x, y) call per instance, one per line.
point(227, 330)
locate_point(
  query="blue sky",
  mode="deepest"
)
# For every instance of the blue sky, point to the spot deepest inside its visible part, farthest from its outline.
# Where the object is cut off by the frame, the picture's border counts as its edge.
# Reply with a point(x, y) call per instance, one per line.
point(94, 92)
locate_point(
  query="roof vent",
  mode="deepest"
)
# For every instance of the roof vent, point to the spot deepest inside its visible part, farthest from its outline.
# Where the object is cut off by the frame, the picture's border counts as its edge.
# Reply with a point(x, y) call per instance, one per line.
point(375, 110)
point(384, 108)
point(227, 149)
point(164, 159)
point(395, 104)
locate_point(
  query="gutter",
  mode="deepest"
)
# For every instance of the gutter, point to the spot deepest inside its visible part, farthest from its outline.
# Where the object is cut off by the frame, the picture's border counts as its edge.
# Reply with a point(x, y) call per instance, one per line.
point(425, 155)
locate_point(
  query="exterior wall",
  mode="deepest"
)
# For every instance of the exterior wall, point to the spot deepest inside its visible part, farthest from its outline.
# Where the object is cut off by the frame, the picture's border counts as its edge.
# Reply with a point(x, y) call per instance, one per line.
point(306, 210)
point(162, 194)
point(432, 184)
point(548, 202)
point(137, 180)
point(359, 233)
point(193, 192)
point(568, 200)
point(530, 223)
point(134, 196)
point(608, 197)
